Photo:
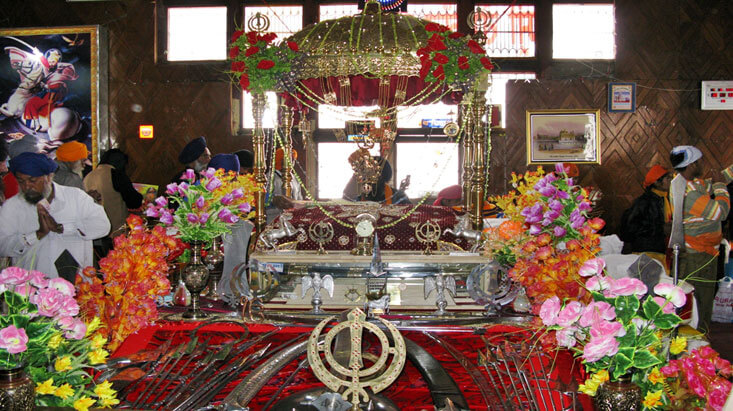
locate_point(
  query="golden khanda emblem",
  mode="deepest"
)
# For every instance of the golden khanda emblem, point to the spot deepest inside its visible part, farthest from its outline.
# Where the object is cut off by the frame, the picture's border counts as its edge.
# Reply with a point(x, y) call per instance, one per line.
point(258, 22)
point(428, 233)
point(321, 233)
point(355, 388)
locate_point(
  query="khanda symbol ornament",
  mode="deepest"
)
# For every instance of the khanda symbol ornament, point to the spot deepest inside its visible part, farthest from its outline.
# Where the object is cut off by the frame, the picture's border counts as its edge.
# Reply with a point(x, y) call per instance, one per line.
point(355, 388)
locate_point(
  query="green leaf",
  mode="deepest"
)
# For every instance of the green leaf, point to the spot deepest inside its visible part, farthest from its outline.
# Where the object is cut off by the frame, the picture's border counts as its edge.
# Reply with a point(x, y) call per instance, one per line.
point(667, 321)
point(648, 338)
point(644, 359)
point(628, 340)
point(626, 307)
point(627, 352)
point(651, 309)
point(600, 297)
point(620, 363)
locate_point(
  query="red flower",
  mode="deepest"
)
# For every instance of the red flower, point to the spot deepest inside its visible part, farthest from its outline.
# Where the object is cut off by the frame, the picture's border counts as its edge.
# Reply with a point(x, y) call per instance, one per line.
point(268, 37)
point(293, 45)
point(432, 27)
point(424, 70)
point(244, 81)
point(233, 52)
point(436, 43)
point(236, 35)
point(440, 58)
point(463, 63)
point(596, 223)
point(475, 47)
point(455, 35)
point(487, 64)
point(238, 66)
point(265, 64)
point(438, 73)
point(252, 50)
point(252, 37)
point(423, 51)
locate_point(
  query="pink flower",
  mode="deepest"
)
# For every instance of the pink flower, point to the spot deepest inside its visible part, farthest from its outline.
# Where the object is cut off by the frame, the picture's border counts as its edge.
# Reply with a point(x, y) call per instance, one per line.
point(13, 276)
point(717, 398)
point(189, 175)
point(161, 201)
point(598, 283)
point(226, 216)
point(558, 231)
point(204, 218)
point(75, 329)
point(672, 293)
point(191, 217)
point(68, 307)
point(166, 218)
point(561, 169)
point(670, 370)
point(208, 173)
point(182, 188)
point(695, 384)
point(592, 266)
point(213, 184)
point(245, 208)
point(38, 279)
point(667, 306)
point(13, 339)
point(607, 329)
point(26, 290)
point(628, 286)
point(566, 337)
point(570, 314)
point(549, 311)
point(171, 188)
point(237, 193)
point(598, 348)
point(595, 312)
point(48, 301)
point(152, 211)
point(62, 286)
point(200, 202)
point(227, 199)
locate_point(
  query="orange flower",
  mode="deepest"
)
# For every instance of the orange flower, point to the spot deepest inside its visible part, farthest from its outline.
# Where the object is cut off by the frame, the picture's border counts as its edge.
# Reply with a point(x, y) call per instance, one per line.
point(510, 229)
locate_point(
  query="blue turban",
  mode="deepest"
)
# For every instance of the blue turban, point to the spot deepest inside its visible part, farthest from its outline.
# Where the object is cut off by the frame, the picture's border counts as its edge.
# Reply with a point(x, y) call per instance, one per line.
point(192, 151)
point(229, 162)
point(32, 164)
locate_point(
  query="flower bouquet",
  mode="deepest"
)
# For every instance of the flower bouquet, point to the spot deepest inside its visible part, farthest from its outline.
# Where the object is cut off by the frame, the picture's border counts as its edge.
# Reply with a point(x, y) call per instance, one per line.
point(39, 332)
point(257, 63)
point(202, 213)
point(618, 334)
point(231, 181)
point(132, 277)
point(698, 380)
point(451, 56)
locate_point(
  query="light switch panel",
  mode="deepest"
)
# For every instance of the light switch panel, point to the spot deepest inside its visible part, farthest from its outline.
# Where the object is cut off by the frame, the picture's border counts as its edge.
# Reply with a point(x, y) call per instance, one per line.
point(717, 95)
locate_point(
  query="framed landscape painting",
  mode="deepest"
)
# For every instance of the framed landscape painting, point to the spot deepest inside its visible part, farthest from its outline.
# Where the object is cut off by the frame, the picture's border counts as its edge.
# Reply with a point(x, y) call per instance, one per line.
point(563, 136)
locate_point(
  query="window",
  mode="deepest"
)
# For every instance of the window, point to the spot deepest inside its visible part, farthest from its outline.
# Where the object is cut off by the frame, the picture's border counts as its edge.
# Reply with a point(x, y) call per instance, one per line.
point(336, 116)
point(445, 14)
point(496, 94)
point(412, 117)
point(583, 31)
point(509, 29)
point(431, 166)
point(330, 12)
point(284, 21)
point(334, 170)
point(197, 33)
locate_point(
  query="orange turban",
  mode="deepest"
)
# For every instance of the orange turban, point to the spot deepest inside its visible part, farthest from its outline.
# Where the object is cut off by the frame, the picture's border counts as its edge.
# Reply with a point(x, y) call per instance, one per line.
point(71, 151)
point(654, 174)
point(279, 154)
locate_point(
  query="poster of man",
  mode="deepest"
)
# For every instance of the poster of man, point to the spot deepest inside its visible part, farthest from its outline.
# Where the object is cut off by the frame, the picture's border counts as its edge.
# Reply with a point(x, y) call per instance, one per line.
point(48, 86)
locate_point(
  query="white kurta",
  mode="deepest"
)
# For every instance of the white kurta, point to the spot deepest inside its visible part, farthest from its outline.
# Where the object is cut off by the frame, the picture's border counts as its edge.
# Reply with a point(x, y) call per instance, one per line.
point(82, 218)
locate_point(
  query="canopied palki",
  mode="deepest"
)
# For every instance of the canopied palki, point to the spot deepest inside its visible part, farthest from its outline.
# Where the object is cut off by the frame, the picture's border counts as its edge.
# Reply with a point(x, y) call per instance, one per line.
point(363, 305)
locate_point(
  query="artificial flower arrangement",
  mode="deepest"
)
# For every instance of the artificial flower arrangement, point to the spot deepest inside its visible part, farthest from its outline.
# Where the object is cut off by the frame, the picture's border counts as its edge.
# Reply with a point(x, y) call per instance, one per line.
point(697, 380)
point(131, 278)
point(451, 56)
point(231, 181)
point(39, 332)
point(560, 237)
point(618, 334)
point(257, 63)
point(201, 215)
point(503, 243)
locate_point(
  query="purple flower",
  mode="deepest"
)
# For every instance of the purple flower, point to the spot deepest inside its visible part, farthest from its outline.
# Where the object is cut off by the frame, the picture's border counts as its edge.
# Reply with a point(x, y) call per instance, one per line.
point(238, 193)
point(556, 205)
point(192, 218)
point(171, 188)
point(558, 231)
point(209, 173)
point(560, 168)
point(227, 199)
point(546, 222)
point(189, 175)
point(532, 214)
point(570, 181)
point(584, 206)
point(245, 208)
point(200, 202)
point(152, 211)
point(182, 188)
point(551, 214)
point(166, 217)
point(563, 195)
point(226, 216)
point(550, 178)
point(548, 190)
point(161, 201)
point(580, 197)
point(204, 218)
point(13, 339)
point(535, 229)
point(213, 184)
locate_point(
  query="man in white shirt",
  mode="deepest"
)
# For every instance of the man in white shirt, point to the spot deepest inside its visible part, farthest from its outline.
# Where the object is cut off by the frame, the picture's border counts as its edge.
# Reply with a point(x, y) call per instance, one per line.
point(49, 227)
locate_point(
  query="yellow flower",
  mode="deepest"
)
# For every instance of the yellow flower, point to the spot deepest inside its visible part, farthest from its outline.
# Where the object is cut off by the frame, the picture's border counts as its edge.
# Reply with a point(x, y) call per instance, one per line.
point(98, 357)
point(83, 403)
point(93, 326)
point(589, 387)
point(108, 402)
point(655, 376)
point(652, 399)
point(600, 377)
point(45, 388)
point(104, 390)
point(98, 341)
point(678, 345)
point(55, 341)
point(65, 391)
point(63, 363)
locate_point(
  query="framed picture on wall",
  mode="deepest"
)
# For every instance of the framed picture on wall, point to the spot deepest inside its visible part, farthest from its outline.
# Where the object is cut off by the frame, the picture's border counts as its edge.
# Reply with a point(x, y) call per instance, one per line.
point(621, 97)
point(567, 136)
point(49, 86)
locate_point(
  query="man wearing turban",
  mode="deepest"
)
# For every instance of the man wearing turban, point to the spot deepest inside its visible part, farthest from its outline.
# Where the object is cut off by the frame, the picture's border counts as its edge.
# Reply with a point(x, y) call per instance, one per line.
point(70, 158)
point(48, 227)
point(278, 201)
point(195, 155)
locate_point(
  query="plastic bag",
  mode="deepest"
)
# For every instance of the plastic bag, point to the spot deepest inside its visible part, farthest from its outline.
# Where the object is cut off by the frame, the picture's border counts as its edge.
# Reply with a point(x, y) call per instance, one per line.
point(723, 304)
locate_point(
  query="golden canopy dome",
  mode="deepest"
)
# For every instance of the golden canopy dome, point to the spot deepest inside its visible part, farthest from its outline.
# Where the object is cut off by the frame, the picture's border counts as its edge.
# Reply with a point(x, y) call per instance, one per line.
point(372, 42)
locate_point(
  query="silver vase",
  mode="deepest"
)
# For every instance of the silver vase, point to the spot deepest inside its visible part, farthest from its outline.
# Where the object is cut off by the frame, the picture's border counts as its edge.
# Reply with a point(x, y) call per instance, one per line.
point(17, 390)
point(214, 260)
point(195, 276)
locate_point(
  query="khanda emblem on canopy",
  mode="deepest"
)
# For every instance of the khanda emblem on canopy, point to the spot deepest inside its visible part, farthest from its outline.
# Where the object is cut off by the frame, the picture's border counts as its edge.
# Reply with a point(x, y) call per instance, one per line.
point(356, 324)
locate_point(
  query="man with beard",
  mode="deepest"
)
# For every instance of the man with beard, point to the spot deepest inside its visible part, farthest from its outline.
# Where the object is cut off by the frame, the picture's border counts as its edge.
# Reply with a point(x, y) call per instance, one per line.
point(48, 227)
point(70, 158)
point(698, 207)
point(195, 155)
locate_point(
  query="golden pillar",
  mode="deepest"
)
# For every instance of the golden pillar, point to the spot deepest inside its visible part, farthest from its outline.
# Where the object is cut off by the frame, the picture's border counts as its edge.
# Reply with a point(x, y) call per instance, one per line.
point(258, 146)
point(287, 123)
point(466, 121)
point(478, 161)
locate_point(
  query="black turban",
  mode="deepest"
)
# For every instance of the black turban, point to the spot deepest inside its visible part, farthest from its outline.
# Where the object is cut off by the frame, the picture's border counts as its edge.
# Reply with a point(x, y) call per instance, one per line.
point(246, 158)
point(192, 151)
